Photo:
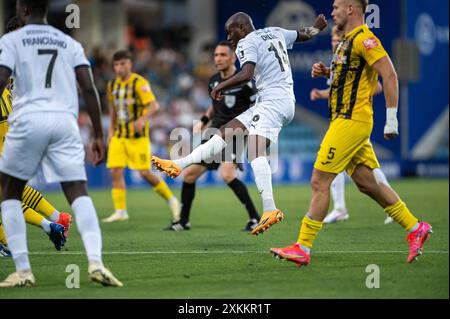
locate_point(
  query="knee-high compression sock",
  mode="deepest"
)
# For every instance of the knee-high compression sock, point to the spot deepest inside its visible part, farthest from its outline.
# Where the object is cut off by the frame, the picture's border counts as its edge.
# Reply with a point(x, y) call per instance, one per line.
point(263, 180)
point(203, 152)
point(87, 223)
point(119, 198)
point(34, 199)
point(308, 233)
point(338, 192)
point(187, 197)
point(16, 233)
point(401, 214)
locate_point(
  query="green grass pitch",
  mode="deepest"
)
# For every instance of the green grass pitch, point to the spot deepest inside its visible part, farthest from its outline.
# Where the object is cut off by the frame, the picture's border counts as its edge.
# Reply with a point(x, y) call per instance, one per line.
point(216, 260)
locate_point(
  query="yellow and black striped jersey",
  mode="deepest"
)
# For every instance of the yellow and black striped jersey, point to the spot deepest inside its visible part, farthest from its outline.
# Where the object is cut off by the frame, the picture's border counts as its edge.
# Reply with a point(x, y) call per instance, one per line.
point(5, 110)
point(128, 99)
point(353, 80)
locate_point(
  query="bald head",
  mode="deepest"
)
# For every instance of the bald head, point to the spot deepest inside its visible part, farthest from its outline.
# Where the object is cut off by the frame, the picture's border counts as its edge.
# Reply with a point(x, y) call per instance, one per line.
point(238, 26)
point(239, 18)
point(348, 13)
point(360, 4)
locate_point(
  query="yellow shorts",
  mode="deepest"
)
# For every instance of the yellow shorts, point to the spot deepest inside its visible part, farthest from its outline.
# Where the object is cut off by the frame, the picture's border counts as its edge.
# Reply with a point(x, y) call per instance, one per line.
point(345, 146)
point(131, 153)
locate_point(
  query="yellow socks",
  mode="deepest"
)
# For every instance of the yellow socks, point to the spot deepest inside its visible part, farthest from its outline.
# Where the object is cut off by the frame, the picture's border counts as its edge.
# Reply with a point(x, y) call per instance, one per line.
point(163, 190)
point(401, 214)
point(2, 235)
point(31, 217)
point(119, 197)
point(37, 202)
point(308, 232)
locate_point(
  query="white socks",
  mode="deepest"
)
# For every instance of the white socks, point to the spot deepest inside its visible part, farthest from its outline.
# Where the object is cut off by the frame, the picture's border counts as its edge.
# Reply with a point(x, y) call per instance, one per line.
point(54, 217)
point(380, 177)
point(16, 232)
point(338, 192)
point(121, 212)
point(205, 151)
point(263, 180)
point(45, 225)
point(87, 223)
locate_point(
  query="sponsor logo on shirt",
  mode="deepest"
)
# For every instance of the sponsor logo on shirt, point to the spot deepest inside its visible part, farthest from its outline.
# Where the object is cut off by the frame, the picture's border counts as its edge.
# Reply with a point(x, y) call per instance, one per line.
point(370, 43)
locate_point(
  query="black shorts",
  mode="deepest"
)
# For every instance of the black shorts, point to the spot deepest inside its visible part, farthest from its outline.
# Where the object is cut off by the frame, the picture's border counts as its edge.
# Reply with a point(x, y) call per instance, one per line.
point(228, 155)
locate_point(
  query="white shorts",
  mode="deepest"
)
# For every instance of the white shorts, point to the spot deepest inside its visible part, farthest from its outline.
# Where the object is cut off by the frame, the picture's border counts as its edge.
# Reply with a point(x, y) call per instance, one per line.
point(50, 139)
point(268, 117)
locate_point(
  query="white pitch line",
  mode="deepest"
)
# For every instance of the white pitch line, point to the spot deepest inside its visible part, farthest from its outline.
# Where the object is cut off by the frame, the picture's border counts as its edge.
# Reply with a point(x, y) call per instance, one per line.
point(234, 252)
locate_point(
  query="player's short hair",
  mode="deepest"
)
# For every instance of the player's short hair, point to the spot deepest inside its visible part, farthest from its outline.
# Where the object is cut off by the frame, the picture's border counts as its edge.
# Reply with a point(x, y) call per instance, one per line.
point(226, 44)
point(363, 4)
point(36, 6)
point(13, 24)
point(122, 55)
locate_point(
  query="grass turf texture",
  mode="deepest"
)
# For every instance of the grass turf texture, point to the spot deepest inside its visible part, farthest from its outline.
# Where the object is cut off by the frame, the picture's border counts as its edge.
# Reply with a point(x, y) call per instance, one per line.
point(216, 260)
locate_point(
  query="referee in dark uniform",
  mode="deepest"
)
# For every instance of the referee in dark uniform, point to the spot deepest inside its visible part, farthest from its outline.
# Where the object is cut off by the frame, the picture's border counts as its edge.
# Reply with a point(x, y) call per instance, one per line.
point(235, 101)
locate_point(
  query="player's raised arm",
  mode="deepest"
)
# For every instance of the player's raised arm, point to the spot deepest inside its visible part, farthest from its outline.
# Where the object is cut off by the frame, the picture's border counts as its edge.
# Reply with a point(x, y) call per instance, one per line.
point(90, 94)
point(386, 70)
point(307, 33)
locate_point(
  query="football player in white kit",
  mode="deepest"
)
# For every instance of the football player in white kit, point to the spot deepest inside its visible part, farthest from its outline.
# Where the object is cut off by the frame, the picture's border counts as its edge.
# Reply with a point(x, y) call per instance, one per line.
point(46, 65)
point(263, 56)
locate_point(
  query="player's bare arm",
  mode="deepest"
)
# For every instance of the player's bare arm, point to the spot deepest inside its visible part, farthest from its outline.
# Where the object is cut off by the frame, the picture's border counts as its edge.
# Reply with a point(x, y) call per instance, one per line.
point(90, 94)
point(317, 94)
point(5, 74)
point(320, 70)
point(204, 120)
point(150, 109)
point(386, 70)
point(378, 89)
point(243, 76)
point(307, 33)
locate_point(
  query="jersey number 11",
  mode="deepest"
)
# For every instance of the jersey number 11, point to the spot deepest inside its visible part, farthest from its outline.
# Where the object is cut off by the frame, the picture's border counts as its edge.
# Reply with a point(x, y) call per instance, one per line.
point(282, 58)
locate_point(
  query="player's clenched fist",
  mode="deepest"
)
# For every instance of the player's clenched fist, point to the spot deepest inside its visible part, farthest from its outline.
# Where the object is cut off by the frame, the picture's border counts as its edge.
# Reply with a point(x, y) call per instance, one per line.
point(321, 22)
point(319, 70)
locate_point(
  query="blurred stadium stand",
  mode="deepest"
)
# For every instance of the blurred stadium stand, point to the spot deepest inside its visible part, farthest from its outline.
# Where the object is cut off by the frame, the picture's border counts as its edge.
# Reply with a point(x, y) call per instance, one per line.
point(173, 40)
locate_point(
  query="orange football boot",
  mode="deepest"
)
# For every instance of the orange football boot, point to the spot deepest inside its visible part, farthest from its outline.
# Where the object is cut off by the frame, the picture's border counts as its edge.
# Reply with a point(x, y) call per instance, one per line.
point(166, 166)
point(267, 220)
point(65, 219)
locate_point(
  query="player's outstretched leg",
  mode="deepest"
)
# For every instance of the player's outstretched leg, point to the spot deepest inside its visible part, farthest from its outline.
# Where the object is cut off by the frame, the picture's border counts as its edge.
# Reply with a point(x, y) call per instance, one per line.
point(381, 178)
point(386, 197)
point(34, 199)
point(339, 212)
point(89, 228)
point(257, 146)
point(205, 151)
point(312, 223)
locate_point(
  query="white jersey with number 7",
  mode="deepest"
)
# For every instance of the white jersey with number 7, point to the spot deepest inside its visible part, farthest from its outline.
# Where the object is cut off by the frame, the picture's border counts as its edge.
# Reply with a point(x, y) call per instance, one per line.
point(42, 60)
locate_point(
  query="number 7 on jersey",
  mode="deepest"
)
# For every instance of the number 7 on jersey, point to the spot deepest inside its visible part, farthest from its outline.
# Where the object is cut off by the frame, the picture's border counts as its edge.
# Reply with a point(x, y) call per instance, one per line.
point(48, 77)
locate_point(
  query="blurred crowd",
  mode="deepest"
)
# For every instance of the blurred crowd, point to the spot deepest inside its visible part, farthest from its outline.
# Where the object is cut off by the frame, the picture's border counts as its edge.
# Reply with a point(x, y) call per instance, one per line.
point(179, 84)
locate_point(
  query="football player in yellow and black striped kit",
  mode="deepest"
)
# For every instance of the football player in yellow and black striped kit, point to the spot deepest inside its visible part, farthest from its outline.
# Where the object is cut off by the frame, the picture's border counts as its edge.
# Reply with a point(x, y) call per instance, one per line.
point(358, 60)
point(57, 227)
point(131, 105)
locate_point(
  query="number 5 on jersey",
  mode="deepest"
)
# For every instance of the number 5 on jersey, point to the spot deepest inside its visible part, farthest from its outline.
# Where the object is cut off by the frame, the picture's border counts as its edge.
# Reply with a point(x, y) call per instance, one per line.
point(54, 55)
